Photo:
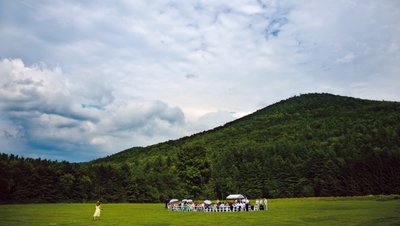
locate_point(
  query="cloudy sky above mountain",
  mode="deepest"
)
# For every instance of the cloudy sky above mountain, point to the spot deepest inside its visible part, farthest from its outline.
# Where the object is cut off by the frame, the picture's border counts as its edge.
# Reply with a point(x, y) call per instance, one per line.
point(85, 79)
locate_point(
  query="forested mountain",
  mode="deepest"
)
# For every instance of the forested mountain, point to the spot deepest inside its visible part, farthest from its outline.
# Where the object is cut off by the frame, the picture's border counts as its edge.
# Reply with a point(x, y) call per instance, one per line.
point(308, 145)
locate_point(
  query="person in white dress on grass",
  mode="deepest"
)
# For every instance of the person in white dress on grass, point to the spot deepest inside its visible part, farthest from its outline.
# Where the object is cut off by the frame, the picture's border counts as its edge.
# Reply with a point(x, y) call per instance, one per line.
point(96, 214)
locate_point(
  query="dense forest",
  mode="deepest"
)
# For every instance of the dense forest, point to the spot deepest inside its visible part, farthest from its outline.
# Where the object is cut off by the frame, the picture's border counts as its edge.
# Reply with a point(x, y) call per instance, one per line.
point(308, 145)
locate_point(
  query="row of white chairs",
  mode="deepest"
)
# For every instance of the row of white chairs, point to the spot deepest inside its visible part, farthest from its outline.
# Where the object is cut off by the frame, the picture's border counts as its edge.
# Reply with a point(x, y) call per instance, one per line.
point(213, 209)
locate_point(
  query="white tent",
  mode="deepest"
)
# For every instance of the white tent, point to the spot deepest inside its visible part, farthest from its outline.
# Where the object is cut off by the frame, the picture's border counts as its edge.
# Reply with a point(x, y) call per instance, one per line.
point(235, 196)
point(173, 200)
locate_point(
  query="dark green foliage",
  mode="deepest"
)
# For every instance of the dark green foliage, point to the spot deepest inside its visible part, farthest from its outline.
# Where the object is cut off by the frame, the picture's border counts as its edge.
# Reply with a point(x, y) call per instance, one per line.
point(309, 145)
point(193, 170)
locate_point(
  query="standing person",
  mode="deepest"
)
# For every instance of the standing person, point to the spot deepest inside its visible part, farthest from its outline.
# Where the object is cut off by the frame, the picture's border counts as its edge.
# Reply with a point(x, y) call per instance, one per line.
point(96, 214)
point(265, 204)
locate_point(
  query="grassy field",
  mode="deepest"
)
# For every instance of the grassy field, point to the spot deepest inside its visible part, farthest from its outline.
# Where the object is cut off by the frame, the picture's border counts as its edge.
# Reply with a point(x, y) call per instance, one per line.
point(369, 210)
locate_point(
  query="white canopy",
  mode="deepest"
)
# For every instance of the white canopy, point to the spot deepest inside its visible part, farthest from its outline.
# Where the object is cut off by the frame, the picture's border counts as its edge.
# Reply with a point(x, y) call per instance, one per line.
point(173, 200)
point(208, 202)
point(235, 196)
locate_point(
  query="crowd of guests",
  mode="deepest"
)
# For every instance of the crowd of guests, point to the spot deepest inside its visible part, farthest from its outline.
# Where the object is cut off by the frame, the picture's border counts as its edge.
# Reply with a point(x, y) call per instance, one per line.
point(218, 206)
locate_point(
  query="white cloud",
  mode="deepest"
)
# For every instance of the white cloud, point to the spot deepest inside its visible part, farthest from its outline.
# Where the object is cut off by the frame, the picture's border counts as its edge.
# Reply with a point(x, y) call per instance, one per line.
point(346, 58)
point(119, 72)
point(42, 110)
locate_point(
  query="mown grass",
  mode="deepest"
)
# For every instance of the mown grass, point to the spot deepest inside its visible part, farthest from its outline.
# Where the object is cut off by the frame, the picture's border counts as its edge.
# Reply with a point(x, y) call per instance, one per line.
point(369, 210)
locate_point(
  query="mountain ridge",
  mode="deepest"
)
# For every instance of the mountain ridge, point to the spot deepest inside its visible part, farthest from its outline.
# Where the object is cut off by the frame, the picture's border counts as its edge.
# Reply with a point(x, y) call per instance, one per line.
point(307, 145)
point(352, 101)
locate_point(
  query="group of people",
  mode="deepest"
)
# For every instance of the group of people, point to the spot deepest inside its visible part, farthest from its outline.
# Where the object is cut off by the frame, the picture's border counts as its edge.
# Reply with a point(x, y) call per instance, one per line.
point(262, 204)
point(207, 206)
point(218, 206)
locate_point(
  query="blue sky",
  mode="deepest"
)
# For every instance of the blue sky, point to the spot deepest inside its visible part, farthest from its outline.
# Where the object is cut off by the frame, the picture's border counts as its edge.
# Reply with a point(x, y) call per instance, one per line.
point(85, 79)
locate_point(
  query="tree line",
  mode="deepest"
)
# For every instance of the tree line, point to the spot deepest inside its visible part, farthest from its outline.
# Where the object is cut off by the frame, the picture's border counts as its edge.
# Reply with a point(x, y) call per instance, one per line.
point(310, 145)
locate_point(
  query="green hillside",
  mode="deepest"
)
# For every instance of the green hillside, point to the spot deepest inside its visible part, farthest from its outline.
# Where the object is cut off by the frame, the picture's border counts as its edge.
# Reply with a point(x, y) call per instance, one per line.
point(308, 145)
point(310, 120)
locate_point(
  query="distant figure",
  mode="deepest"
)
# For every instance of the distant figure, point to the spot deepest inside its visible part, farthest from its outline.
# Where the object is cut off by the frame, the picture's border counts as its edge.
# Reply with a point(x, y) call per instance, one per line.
point(96, 214)
point(262, 206)
point(265, 204)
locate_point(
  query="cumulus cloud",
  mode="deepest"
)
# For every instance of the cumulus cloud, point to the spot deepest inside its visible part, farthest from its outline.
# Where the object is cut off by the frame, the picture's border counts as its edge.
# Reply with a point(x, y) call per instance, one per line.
point(127, 73)
point(36, 89)
point(42, 109)
point(212, 119)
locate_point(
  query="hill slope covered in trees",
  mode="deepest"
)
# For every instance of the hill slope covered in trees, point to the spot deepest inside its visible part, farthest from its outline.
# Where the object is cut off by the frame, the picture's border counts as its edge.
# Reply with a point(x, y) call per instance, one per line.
point(308, 145)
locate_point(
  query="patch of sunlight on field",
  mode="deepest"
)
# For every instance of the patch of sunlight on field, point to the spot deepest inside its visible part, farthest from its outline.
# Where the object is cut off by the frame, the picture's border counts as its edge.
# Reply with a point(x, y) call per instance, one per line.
point(300, 211)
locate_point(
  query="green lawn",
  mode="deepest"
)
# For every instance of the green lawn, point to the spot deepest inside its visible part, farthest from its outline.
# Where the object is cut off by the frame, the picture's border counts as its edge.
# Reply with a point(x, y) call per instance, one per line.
point(308, 211)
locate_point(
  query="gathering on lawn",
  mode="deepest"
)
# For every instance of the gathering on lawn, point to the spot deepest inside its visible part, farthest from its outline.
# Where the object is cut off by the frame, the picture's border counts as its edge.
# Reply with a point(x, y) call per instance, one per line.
point(233, 203)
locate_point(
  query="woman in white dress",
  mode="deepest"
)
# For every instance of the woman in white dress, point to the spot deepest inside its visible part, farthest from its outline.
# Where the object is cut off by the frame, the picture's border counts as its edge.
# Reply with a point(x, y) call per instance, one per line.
point(96, 214)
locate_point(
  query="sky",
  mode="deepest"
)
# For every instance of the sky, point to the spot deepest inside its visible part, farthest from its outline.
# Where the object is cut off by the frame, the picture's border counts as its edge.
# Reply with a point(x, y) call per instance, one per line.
point(81, 80)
